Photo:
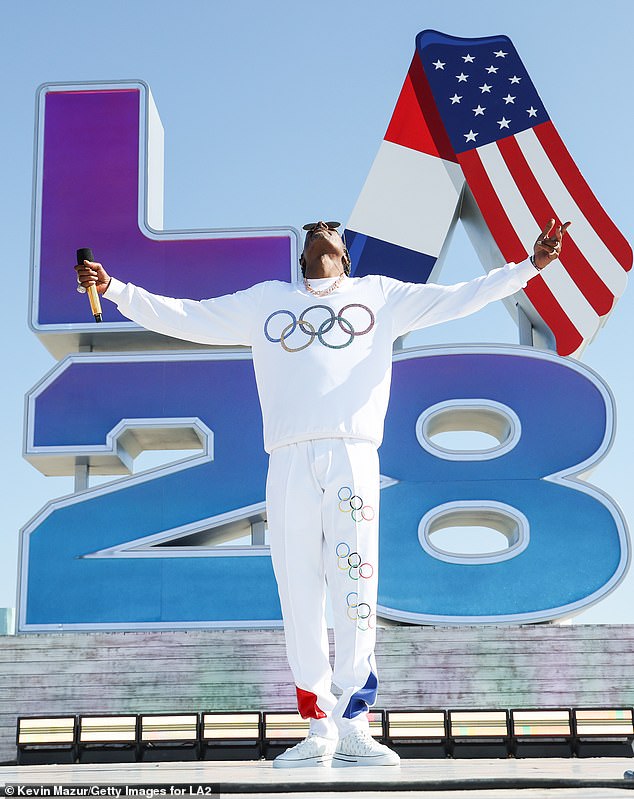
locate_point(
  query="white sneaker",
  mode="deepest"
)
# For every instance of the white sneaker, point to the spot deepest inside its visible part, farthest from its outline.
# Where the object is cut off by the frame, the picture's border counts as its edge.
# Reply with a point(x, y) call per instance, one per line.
point(360, 749)
point(312, 751)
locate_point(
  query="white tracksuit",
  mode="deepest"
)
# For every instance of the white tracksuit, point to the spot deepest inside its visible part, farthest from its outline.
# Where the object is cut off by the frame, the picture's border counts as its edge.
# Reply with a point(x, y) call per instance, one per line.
point(323, 369)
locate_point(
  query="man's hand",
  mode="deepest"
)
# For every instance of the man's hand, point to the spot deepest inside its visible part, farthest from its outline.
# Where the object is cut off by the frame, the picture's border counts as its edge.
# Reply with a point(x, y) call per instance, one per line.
point(548, 245)
point(90, 273)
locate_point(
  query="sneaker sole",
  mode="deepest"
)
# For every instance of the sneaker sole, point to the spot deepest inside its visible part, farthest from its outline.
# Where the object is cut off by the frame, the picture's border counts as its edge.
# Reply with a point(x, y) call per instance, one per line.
point(347, 761)
point(323, 761)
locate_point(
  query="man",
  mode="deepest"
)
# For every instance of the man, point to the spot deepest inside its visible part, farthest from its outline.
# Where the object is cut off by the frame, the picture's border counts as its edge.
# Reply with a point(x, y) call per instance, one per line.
point(322, 353)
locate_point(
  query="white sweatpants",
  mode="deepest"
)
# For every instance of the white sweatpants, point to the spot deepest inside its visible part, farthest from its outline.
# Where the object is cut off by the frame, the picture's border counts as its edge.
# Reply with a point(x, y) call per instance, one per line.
point(323, 510)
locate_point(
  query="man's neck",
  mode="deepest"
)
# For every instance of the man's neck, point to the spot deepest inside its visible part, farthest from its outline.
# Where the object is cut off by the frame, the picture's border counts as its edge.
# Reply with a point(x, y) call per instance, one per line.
point(324, 266)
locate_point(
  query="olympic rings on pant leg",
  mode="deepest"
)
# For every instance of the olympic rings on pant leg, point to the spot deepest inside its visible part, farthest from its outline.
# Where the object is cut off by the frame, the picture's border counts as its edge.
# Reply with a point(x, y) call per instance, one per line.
point(353, 563)
point(364, 514)
point(353, 504)
point(339, 550)
point(363, 570)
point(367, 512)
point(344, 504)
point(367, 624)
point(352, 605)
point(354, 560)
point(360, 612)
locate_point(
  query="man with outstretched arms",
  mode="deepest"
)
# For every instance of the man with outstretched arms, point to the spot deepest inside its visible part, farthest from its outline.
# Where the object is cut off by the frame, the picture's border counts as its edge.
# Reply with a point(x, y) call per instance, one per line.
point(322, 353)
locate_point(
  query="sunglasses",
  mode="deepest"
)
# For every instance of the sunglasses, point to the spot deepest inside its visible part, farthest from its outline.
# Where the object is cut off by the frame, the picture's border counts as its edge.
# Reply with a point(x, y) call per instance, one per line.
point(330, 225)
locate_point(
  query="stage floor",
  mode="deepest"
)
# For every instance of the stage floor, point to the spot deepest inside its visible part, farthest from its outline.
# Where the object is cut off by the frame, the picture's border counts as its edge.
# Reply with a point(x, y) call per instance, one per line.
point(498, 779)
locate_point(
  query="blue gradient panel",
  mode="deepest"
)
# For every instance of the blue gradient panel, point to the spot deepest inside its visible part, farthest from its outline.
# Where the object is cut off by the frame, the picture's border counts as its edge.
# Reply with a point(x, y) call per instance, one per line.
point(63, 587)
point(562, 412)
point(578, 547)
point(372, 256)
point(574, 550)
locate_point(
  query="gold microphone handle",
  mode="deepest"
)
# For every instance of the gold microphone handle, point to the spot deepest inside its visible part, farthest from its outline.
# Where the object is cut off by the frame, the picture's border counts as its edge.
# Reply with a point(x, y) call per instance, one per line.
point(85, 254)
point(95, 304)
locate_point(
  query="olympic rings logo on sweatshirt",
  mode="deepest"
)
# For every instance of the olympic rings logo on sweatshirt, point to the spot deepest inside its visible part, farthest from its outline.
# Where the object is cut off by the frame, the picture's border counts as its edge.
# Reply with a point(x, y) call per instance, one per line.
point(320, 331)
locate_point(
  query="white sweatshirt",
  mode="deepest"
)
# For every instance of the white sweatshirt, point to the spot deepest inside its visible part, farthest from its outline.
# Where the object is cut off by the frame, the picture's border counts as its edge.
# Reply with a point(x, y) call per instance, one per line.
point(322, 364)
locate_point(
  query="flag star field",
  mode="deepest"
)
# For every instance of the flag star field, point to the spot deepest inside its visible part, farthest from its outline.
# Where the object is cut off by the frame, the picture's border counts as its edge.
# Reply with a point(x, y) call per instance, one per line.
point(482, 90)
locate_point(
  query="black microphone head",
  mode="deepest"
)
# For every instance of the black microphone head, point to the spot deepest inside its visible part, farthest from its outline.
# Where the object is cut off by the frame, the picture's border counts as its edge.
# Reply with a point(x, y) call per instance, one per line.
point(84, 254)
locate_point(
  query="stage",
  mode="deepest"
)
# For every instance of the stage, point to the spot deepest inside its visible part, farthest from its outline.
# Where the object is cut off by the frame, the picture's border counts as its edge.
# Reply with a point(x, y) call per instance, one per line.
point(537, 666)
point(552, 777)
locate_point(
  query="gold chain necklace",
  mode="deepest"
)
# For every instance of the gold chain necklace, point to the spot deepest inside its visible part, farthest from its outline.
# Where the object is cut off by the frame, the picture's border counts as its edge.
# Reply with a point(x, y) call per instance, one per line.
point(323, 292)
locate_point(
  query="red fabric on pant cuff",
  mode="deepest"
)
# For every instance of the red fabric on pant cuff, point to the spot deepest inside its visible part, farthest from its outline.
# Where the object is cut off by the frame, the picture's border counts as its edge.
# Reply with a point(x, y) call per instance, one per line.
point(307, 705)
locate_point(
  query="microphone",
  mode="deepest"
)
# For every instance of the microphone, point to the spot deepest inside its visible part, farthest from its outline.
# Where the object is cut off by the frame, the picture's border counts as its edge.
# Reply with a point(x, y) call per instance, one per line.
point(85, 254)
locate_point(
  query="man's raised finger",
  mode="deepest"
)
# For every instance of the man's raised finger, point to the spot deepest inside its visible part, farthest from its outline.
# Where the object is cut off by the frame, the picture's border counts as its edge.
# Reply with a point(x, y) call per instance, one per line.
point(547, 229)
point(563, 228)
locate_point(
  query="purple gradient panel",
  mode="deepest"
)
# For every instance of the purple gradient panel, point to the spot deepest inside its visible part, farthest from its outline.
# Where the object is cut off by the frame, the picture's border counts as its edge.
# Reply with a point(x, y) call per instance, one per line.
point(90, 199)
point(549, 441)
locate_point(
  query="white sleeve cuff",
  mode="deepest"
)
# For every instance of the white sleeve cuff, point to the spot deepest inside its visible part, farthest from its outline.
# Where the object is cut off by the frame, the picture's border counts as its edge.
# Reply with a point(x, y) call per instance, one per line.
point(114, 290)
point(526, 270)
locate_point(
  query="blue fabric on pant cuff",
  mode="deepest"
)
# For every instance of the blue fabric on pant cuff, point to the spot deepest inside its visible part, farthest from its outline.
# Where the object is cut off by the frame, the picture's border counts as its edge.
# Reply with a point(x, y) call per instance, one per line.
point(363, 698)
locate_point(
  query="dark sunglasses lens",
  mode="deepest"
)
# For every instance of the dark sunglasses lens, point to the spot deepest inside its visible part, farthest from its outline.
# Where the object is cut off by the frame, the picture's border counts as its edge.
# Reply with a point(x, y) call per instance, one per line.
point(329, 225)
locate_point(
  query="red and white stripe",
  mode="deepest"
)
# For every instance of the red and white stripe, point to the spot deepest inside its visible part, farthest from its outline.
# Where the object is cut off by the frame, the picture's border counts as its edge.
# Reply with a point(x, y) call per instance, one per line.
point(523, 180)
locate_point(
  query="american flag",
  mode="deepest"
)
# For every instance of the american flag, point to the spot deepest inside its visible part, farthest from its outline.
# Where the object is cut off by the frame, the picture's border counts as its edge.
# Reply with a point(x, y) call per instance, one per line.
point(471, 103)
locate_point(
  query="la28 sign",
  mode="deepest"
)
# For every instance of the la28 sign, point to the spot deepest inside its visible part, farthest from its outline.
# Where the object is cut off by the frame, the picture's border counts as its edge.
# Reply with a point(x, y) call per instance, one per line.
point(156, 549)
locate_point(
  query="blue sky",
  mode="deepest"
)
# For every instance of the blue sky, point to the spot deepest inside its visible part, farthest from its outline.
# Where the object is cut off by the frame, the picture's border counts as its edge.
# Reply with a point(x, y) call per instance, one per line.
point(273, 113)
